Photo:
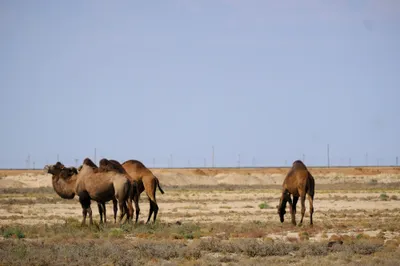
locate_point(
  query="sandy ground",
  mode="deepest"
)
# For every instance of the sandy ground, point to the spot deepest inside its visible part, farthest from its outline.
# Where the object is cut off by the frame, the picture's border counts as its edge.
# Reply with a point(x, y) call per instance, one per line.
point(349, 210)
point(226, 176)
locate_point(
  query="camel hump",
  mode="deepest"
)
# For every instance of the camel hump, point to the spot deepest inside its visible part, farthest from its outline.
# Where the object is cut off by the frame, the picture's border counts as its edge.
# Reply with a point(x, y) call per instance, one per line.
point(89, 162)
point(298, 164)
point(59, 165)
point(135, 162)
point(111, 165)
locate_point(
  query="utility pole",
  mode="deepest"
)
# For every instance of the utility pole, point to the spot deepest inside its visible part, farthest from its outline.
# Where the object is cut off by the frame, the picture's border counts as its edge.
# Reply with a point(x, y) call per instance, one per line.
point(171, 160)
point(304, 158)
point(33, 165)
point(76, 163)
point(95, 156)
point(213, 164)
point(328, 156)
point(285, 162)
point(253, 161)
point(239, 160)
point(397, 160)
point(366, 159)
point(205, 163)
point(154, 162)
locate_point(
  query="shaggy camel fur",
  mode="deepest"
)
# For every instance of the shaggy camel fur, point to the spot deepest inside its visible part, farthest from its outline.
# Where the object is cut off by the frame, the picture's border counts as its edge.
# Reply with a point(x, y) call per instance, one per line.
point(146, 181)
point(298, 182)
point(63, 180)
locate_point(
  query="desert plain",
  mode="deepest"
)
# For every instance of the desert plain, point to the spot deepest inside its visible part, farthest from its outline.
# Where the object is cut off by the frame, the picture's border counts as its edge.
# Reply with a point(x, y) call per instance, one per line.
point(209, 216)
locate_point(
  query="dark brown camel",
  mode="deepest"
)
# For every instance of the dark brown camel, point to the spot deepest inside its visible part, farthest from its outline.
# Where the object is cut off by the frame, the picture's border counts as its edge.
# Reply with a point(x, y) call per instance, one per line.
point(147, 182)
point(298, 182)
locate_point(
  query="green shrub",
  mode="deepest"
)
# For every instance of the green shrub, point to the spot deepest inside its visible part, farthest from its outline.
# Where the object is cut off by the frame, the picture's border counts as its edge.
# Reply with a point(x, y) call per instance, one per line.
point(13, 233)
point(263, 205)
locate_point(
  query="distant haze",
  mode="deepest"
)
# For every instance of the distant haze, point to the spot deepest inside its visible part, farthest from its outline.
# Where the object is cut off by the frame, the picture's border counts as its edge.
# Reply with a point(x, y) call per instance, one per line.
point(269, 80)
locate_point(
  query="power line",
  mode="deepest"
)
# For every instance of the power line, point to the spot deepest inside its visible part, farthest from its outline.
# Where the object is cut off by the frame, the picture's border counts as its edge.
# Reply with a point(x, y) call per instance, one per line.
point(328, 156)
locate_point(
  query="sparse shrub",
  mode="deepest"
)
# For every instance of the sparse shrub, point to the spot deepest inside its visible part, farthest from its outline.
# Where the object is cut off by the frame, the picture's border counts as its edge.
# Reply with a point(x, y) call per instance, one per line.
point(116, 233)
point(264, 205)
point(373, 182)
point(304, 235)
point(13, 233)
point(394, 197)
point(384, 197)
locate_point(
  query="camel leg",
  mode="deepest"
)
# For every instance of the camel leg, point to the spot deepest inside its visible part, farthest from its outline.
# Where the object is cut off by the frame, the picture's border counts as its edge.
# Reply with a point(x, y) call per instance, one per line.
point(115, 207)
point(303, 207)
point(84, 200)
point(89, 210)
point(104, 211)
point(311, 200)
point(155, 209)
point(100, 212)
point(136, 201)
point(150, 211)
point(122, 208)
point(130, 210)
point(293, 210)
point(84, 214)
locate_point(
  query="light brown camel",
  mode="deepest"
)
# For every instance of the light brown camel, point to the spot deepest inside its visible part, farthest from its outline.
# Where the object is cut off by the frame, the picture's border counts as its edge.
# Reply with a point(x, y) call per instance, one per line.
point(64, 181)
point(91, 184)
point(298, 182)
point(113, 165)
point(147, 182)
point(101, 186)
point(102, 205)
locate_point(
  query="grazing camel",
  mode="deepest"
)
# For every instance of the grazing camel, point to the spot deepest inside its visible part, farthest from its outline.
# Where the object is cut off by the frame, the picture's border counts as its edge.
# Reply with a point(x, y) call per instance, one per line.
point(90, 184)
point(298, 182)
point(146, 181)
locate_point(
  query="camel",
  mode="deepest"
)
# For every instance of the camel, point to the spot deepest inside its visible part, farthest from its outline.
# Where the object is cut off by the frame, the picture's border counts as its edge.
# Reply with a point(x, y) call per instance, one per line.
point(298, 182)
point(90, 184)
point(113, 165)
point(102, 205)
point(146, 181)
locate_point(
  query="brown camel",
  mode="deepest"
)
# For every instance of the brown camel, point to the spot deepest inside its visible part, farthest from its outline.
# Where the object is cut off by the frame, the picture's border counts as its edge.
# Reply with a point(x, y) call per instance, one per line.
point(101, 185)
point(146, 181)
point(115, 166)
point(102, 205)
point(63, 180)
point(90, 184)
point(298, 182)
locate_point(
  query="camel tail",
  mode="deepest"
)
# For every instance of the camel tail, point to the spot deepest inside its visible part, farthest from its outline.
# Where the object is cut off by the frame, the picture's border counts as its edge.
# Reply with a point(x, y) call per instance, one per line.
point(159, 187)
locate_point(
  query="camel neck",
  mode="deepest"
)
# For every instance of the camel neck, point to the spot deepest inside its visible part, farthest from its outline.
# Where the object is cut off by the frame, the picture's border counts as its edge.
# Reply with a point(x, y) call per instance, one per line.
point(65, 188)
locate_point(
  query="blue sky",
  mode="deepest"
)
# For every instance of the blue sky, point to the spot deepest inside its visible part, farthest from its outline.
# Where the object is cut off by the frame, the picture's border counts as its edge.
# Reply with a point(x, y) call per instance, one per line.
point(270, 80)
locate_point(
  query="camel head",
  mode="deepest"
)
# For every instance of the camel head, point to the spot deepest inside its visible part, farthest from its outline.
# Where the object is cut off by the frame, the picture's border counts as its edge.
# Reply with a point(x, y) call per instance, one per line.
point(282, 207)
point(54, 169)
point(67, 172)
